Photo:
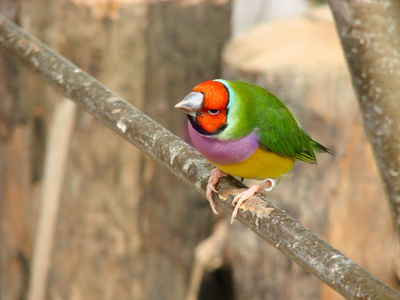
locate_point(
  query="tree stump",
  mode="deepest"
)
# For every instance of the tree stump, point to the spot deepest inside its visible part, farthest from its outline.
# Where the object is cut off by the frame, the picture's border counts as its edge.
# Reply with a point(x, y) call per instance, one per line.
point(341, 199)
point(126, 228)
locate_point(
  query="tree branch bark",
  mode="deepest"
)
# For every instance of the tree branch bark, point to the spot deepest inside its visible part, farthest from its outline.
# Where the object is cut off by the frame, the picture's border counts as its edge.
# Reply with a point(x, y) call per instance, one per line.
point(370, 35)
point(262, 217)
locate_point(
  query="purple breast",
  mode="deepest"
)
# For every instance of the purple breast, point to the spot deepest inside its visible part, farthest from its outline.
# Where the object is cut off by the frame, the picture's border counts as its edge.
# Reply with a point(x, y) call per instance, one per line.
point(224, 152)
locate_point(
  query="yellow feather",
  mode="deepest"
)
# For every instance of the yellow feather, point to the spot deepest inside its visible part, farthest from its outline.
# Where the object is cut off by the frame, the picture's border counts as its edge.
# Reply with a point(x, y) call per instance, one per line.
point(262, 164)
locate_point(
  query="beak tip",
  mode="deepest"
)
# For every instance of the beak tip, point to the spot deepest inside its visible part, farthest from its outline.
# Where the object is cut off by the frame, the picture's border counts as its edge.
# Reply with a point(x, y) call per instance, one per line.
point(191, 103)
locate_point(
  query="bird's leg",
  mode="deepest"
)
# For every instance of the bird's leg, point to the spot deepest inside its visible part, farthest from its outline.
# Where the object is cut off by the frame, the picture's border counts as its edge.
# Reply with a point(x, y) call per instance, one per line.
point(266, 186)
point(212, 181)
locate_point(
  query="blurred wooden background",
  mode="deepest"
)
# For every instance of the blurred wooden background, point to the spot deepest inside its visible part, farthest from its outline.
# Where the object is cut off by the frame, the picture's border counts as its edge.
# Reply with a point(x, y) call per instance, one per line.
point(126, 228)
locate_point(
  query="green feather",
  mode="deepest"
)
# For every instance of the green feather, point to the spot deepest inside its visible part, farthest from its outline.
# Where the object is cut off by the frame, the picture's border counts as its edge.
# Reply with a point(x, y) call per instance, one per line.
point(253, 108)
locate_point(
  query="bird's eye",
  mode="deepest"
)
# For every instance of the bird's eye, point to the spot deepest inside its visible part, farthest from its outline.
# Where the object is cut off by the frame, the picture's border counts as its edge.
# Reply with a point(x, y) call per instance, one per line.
point(213, 111)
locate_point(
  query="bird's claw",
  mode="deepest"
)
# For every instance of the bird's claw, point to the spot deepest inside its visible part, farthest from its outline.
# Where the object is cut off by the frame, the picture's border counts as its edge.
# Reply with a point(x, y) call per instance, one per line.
point(268, 185)
point(212, 181)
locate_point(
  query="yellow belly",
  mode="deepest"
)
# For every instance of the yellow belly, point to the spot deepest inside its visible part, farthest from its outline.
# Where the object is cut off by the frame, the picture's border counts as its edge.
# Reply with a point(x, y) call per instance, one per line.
point(260, 165)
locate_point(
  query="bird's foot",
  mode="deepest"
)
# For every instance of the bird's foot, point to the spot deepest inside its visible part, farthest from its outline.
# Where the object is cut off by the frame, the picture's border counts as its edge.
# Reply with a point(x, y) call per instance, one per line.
point(266, 186)
point(212, 181)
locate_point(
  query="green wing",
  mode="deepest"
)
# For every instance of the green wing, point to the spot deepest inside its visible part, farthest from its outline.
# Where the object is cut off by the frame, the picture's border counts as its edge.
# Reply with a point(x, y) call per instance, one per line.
point(282, 134)
point(278, 129)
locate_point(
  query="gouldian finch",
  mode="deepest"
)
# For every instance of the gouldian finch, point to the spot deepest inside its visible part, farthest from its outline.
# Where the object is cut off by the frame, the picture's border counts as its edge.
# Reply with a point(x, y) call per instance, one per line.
point(244, 130)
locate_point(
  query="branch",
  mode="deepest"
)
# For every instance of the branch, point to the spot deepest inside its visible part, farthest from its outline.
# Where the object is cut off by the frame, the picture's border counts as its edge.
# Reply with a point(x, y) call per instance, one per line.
point(54, 170)
point(262, 217)
point(370, 36)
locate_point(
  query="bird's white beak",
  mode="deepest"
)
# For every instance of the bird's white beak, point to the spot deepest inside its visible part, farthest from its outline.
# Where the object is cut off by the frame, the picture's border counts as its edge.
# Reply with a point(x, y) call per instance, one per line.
point(191, 103)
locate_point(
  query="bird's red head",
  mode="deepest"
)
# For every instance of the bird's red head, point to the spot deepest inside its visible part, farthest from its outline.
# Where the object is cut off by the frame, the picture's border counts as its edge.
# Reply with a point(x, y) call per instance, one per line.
point(212, 115)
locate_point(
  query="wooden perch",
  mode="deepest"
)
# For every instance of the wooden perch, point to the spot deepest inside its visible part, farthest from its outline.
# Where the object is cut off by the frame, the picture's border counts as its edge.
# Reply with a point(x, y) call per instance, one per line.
point(262, 217)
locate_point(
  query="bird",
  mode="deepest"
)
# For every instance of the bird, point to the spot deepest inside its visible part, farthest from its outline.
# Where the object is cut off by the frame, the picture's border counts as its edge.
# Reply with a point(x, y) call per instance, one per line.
point(244, 130)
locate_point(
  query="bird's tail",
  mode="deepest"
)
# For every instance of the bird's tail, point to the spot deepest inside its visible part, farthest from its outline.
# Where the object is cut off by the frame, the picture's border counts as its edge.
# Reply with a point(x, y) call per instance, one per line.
point(318, 148)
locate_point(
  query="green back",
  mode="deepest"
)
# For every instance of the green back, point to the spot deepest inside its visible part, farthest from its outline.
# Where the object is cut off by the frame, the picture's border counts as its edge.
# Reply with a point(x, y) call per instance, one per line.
point(251, 107)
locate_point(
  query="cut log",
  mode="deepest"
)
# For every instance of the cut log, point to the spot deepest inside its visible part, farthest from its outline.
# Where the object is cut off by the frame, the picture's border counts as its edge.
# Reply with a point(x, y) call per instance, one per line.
point(300, 60)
